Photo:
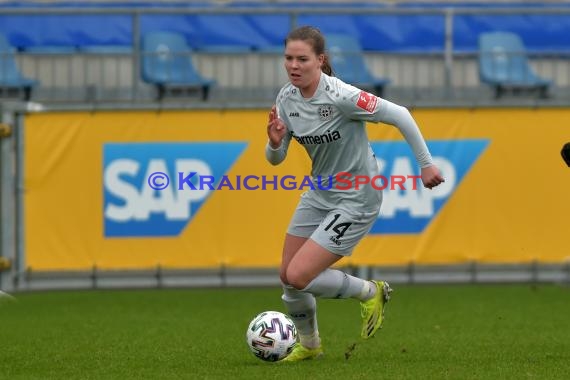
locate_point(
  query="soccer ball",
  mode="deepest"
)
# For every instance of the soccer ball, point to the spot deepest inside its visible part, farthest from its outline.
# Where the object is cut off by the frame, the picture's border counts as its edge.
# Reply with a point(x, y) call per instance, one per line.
point(271, 336)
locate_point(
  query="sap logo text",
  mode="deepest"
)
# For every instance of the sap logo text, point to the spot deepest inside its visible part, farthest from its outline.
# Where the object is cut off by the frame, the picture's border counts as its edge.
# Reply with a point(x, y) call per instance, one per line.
point(294, 114)
point(133, 208)
point(410, 212)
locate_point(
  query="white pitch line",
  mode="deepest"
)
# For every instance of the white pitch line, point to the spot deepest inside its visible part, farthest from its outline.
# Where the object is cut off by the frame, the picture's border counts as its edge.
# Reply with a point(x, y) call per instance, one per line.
point(7, 297)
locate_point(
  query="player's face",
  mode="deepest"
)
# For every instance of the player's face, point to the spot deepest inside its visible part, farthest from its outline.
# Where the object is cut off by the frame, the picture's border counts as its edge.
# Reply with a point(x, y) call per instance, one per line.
point(303, 65)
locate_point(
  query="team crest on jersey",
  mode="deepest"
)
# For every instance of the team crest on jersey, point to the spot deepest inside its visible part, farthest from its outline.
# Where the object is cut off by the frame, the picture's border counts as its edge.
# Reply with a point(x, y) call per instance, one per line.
point(326, 112)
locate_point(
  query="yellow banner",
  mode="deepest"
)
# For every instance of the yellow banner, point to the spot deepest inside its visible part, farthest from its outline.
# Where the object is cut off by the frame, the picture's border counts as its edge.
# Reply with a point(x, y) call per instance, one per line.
point(91, 200)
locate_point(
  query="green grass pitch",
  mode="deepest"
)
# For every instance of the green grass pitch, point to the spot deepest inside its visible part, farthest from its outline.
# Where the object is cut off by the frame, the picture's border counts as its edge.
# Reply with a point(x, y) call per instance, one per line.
point(430, 332)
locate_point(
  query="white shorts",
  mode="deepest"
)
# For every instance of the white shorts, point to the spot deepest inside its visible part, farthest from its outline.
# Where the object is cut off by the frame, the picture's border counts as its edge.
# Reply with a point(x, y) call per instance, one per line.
point(336, 230)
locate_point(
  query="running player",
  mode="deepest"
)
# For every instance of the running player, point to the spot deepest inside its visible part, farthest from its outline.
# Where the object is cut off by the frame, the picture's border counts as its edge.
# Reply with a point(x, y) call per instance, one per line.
point(327, 117)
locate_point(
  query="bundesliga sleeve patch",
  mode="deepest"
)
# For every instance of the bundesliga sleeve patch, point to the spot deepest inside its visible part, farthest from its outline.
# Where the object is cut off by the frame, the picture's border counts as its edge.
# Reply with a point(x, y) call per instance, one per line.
point(367, 101)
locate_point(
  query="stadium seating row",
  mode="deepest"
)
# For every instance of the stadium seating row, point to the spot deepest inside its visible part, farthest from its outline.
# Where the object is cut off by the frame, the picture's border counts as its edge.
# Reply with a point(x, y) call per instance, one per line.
point(386, 26)
point(166, 63)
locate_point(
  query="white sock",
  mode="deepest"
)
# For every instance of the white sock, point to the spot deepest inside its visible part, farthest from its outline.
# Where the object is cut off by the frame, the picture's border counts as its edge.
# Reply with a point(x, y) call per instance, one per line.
point(369, 290)
point(302, 308)
point(332, 283)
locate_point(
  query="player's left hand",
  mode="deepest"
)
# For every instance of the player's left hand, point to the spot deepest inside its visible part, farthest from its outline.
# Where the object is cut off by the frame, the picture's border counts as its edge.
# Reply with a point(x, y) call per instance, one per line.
point(431, 177)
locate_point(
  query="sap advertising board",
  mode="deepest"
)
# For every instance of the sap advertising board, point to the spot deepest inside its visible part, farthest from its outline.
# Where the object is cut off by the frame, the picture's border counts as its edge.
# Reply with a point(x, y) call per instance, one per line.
point(132, 208)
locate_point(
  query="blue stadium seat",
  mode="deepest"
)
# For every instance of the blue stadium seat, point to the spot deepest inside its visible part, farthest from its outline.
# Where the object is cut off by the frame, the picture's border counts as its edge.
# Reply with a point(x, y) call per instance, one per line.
point(10, 76)
point(503, 64)
point(167, 63)
point(106, 49)
point(271, 49)
point(51, 50)
point(226, 49)
point(347, 60)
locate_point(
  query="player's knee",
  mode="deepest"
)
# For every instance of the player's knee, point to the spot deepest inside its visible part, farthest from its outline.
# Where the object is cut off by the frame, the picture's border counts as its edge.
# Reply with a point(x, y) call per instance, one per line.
point(297, 279)
point(283, 274)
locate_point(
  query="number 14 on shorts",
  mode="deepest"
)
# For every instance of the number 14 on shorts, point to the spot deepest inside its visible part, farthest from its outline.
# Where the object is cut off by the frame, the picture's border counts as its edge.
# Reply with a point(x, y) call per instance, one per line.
point(338, 228)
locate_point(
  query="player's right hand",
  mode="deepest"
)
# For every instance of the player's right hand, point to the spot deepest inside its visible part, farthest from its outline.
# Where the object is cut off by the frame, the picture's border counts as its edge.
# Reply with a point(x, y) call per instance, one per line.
point(275, 128)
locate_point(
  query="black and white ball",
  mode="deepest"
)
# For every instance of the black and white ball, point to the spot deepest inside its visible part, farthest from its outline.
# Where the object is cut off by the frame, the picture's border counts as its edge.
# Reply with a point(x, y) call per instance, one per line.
point(271, 336)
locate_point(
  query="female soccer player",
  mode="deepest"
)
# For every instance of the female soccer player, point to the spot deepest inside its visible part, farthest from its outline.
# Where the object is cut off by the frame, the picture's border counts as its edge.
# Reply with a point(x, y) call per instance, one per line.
point(327, 117)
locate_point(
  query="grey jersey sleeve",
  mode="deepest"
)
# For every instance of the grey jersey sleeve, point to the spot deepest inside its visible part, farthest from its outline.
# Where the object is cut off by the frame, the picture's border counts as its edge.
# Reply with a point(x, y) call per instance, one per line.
point(357, 104)
point(361, 105)
point(276, 156)
point(401, 118)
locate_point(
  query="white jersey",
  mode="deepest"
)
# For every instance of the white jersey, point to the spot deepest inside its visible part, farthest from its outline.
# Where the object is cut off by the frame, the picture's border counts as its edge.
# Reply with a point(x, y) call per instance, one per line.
point(331, 127)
